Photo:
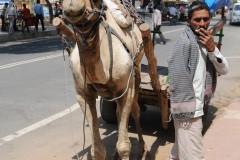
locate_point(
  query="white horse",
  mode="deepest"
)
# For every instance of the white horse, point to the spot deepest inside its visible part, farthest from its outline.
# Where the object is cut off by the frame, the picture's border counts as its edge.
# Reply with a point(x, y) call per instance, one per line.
point(106, 62)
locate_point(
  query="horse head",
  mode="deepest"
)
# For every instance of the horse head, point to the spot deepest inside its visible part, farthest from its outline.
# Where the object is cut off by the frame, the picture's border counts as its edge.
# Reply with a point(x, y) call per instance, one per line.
point(83, 14)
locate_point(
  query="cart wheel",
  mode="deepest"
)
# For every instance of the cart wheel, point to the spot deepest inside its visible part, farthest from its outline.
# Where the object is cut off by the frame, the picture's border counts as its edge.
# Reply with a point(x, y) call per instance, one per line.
point(108, 111)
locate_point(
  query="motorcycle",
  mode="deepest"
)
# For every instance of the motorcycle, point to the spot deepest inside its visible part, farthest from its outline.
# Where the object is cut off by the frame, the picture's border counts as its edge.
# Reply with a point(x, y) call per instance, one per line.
point(173, 19)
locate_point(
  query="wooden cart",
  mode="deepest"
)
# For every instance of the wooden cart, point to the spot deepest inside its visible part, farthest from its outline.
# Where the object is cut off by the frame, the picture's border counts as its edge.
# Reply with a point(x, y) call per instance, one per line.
point(146, 94)
point(146, 97)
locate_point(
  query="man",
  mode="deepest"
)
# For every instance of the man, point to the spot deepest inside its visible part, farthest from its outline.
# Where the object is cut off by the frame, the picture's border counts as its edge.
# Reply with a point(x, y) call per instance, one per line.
point(172, 10)
point(38, 9)
point(11, 3)
point(181, 10)
point(157, 22)
point(11, 14)
point(193, 64)
point(26, 17)
point(56, 14)
point(3, 17)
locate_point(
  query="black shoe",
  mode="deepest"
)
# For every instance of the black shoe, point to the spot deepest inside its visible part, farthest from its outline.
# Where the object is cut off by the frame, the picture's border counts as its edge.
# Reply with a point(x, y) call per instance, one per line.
point(164, 43)
point(44, 29)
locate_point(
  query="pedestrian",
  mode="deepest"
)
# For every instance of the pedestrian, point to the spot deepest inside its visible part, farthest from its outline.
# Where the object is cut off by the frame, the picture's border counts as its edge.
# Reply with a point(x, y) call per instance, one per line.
point(3, 17)
point(60, 9)
point(11, 14)
point(38, 9)
point(172, 10)
point(181, 10)
point(26, 17)
point(56, 14)
point(173, 14)
point(157, 22)
point(15, 28)
point(193, 64)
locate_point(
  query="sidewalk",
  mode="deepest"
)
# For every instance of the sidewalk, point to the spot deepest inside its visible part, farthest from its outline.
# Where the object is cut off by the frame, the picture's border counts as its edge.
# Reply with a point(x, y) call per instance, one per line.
point(222, 138)
point(51, 31)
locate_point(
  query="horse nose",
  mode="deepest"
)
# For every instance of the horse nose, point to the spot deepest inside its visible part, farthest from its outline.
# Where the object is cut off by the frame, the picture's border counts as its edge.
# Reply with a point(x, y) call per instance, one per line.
point(73, 5)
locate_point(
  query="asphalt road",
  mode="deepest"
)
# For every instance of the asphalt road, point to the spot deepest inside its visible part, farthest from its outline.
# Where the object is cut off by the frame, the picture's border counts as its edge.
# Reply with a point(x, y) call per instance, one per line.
point(39, 118)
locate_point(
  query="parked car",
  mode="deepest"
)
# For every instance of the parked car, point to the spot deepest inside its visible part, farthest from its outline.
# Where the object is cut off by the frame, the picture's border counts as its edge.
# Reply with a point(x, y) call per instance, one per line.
point(234, 16)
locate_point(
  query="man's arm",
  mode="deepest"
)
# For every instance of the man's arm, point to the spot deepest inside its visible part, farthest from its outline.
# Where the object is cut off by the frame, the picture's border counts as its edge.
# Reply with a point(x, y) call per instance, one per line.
point(207, 40)
point(219, 62)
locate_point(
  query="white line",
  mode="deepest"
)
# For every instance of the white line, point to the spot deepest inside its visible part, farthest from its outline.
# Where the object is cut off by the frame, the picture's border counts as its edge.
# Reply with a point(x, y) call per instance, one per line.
point(173, 31)
point(38, 124)
point(28, 61)
point(233, 57)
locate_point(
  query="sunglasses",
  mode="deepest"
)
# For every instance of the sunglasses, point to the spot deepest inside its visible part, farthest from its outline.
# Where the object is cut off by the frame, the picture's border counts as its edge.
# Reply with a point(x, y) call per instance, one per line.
point(205, 19)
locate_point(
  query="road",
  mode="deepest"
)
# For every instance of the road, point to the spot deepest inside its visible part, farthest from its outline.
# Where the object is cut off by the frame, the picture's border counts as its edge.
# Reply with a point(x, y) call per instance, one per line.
point(39, 117)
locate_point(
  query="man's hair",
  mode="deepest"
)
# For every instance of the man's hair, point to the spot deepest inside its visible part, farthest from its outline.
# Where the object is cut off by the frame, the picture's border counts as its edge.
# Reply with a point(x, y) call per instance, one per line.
point(196, 6)
point(24, 5)
point(38, 1)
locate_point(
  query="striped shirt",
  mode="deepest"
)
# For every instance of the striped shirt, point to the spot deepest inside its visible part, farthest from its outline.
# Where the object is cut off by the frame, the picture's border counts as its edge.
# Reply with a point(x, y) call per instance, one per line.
point(192, 73)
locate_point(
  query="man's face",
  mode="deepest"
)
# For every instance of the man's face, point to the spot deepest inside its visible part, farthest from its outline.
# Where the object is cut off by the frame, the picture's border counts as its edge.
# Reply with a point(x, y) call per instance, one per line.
point(200, 19)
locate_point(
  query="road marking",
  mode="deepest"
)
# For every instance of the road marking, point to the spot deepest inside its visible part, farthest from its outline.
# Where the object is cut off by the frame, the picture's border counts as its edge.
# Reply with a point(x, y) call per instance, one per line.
point(232, 114)
point(173, 31)
point(233, 57)
point(29, 61)
point(38, 124)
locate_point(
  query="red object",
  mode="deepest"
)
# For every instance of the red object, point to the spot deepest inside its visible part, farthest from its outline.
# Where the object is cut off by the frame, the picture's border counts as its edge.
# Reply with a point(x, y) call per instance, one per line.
point(32, 21)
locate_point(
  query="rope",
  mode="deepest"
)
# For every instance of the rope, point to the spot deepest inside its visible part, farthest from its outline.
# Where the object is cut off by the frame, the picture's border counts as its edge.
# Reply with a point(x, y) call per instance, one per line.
point(114, 99)
point(68, 103)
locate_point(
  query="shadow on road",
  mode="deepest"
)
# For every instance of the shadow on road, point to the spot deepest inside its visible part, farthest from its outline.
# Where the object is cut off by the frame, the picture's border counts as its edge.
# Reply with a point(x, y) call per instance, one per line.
point(162, 70)
point(151, 127)
point(212, 110)
point(30, 46)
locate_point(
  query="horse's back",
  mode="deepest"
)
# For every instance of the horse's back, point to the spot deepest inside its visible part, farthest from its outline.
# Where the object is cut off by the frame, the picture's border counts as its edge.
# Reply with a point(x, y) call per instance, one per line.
point(131, 35)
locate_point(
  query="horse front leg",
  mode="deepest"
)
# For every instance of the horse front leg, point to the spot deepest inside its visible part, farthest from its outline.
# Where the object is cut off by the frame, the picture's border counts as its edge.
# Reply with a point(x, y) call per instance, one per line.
point(124, 106)
point(143, 151)
point(142, 147)
point(88, 106)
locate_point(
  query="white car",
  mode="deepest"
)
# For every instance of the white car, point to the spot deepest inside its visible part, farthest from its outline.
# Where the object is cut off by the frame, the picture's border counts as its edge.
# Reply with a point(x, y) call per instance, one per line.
point(234, 16)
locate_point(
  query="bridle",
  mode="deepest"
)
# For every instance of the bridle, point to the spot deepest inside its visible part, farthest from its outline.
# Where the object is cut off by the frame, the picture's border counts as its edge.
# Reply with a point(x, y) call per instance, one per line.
point(87, 26)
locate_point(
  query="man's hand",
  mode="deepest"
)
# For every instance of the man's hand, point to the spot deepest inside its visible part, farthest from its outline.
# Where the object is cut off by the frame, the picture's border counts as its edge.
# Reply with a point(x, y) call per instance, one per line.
point(206, 38)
